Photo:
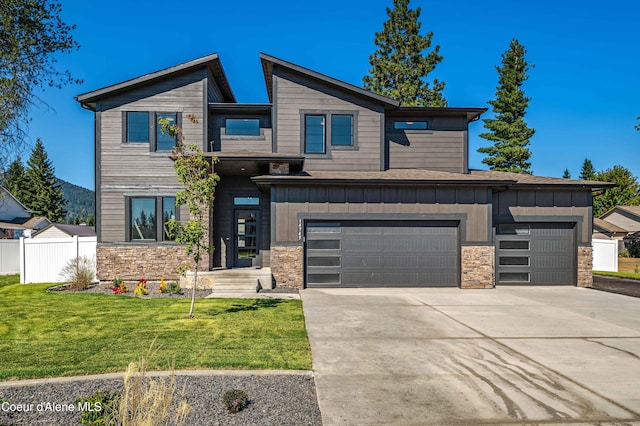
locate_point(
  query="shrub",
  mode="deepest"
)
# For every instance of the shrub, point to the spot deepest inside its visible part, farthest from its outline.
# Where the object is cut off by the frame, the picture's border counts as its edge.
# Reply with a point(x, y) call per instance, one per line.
point(163, 286)
point(119, 287)
point(174, 288)
point(101, 406)
point(634, 248)
point(235, 400)
point(141, 288)
point(79, 272)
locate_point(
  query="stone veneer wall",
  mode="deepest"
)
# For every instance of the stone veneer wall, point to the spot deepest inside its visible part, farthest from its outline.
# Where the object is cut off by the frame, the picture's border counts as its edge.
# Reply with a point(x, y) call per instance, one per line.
point(478, 267)
point(132, 262)
point(287, 266)
point(585, 266)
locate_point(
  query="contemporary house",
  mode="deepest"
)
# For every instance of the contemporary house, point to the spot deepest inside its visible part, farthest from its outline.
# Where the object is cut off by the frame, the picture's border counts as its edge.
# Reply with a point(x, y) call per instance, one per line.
point(327, 185)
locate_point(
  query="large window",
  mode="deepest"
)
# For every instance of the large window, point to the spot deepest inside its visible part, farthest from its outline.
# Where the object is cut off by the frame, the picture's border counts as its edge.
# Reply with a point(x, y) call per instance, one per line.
point(411, 125)
point(242, 127)
point(143, 218)
point(137, 125)
point(138, 128)
point(328, 130)
point(314, 134)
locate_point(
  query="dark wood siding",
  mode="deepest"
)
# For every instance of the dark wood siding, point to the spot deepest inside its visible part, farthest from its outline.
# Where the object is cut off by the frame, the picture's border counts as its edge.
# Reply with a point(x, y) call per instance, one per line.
point(470, 204)
point(296, 93)
point(546, 205)
point(131, 169)
point(441, 147)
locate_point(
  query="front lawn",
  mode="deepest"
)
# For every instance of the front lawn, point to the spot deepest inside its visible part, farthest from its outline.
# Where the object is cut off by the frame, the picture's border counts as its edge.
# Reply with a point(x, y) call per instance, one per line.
point(46, 334)
point(628, 275)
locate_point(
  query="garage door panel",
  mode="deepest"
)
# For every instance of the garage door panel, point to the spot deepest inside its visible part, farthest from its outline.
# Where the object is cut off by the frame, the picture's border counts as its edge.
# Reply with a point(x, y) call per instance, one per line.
point(385, 253)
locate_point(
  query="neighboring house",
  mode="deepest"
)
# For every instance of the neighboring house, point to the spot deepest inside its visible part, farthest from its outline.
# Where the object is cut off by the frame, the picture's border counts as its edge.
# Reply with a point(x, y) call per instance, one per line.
point(15, 218)
point(63, 230)
point(625, 217)
point(328, 185)
point(606, 230)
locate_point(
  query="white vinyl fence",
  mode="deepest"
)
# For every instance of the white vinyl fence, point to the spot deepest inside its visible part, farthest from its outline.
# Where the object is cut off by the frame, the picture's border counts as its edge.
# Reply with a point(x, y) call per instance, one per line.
point(605, 255)
point(42, 259)
point(9, 257)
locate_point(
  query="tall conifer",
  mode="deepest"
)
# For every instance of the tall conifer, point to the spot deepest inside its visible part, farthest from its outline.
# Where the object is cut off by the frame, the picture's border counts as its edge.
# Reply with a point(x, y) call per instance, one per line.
point(508, 130)
point(15, 180)
point(587, 172)
point(401, 63)
point(45, 197)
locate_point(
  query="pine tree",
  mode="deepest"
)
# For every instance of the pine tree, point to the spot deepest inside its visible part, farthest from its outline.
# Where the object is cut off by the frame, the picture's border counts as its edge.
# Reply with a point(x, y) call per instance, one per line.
point(566, 174)
point(401, 63)
point(44, 197)
point(15, 180)
point(508, 130)
point(587, 172)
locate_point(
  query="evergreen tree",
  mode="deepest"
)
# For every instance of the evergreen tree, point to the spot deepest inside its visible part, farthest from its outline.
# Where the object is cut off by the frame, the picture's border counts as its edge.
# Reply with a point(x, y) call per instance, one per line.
point(44, 197)
point(627, 193)
point(566, 174)
point(508, 130)
point(400, 65)
point(587, 172)
point(15, 180)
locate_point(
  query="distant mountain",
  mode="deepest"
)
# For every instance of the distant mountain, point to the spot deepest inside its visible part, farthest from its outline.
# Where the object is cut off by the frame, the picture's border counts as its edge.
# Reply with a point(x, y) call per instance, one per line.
point(80, 201)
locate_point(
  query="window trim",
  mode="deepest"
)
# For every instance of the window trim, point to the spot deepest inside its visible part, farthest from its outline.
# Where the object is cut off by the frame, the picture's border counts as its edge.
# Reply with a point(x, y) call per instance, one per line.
point(153, 129)
point(159, 212)
point(328, 145)
point(154, 145)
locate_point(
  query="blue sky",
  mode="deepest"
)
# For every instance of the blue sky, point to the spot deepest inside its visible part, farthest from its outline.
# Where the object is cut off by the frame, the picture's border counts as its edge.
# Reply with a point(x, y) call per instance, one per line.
point(585, 86)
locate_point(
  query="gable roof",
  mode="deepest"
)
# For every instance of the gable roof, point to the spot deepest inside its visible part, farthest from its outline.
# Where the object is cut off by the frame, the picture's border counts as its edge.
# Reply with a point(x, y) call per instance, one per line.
point(268, 62)
point(71, 230)
point(5, 192)
point(632, 210)
point(609, 227)
point(211, 61)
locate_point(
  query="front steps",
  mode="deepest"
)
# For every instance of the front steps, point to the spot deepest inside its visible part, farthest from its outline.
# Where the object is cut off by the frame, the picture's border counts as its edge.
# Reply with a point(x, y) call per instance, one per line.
point(237, 280)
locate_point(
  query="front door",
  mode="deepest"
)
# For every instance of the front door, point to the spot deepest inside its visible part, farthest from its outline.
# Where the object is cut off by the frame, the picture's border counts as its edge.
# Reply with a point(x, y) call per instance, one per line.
point(246, 236)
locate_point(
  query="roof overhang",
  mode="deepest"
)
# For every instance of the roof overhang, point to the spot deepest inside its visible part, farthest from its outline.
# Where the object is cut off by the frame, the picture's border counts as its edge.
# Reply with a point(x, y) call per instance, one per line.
point(212, 62)
point(471, 113)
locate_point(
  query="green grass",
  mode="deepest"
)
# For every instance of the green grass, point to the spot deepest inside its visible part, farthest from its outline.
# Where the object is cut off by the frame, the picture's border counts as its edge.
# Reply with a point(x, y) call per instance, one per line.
point(629, 275)
point(44, 334)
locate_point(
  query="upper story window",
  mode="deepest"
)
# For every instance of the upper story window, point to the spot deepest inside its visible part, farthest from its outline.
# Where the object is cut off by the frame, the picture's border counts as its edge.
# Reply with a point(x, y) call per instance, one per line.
point(137, 125)
point(138, 128)
point(242, 126)
point(328, 130)
point(411, 125)
point(143, 213)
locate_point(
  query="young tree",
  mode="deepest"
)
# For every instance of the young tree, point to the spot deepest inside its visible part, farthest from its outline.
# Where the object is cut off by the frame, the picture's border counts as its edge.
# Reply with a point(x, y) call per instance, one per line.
point(627, 193)
point(199, 182)
point(32, 38)
point(44, 196)
point(15, 180)
point(400, 66)
point(508, 130)
point(587, 172)
point(566, 174)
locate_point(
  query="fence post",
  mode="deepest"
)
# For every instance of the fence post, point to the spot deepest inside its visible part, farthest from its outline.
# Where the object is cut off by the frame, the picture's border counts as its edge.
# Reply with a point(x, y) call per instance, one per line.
point(22, 262)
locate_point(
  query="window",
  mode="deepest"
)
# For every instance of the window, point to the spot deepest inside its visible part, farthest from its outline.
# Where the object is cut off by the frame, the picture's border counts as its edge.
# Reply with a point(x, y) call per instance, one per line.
point(164, 141)
point(410, 125)
point(246, 201)
point(342, 130)
point(314, 134)
point(137, 127)
point(242, 126)
point(142, 217)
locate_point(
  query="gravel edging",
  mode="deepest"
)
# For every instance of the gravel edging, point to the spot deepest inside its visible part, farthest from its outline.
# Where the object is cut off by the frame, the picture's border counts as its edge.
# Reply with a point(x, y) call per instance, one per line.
point(275, 399)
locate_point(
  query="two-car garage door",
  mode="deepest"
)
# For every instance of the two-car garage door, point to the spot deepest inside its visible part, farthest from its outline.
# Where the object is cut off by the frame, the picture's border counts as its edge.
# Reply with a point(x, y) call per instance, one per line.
point(382, 254)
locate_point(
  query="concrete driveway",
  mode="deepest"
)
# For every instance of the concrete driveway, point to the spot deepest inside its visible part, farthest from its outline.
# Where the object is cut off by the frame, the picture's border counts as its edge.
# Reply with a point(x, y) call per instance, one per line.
point(517, 355)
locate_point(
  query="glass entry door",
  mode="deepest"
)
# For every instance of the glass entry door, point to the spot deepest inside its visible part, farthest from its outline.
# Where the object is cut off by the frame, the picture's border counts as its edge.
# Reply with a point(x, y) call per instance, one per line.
point(246, 237)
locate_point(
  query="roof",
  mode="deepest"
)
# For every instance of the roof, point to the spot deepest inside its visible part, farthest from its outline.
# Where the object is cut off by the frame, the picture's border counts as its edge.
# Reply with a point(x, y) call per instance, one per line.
point(268, 62)
point(13, 197)
point(211, 61)
point(633, 210)
point(431, 177)
point(23, 222)
point(71, 230)
point(472, 113)
point(607, 226)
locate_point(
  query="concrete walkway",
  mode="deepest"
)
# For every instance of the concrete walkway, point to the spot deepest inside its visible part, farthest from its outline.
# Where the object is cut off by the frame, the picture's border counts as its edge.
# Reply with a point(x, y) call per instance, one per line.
point(545, 355)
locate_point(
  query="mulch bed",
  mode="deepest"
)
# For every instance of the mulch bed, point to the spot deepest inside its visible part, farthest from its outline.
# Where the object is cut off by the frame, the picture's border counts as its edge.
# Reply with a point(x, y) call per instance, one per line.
point(153, 290)
point(617, 285)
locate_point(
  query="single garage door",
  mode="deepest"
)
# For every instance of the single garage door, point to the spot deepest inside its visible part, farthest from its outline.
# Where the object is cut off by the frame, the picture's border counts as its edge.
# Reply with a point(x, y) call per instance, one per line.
point(382, 254)
point(536, 254)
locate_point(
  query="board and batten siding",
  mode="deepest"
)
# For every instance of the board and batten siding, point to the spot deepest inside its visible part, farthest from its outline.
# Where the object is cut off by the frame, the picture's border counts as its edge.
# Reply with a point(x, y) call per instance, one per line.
point(289, 201)
point(442, 147)
point(296, 93)
point(542, 205)
point(130, 169)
